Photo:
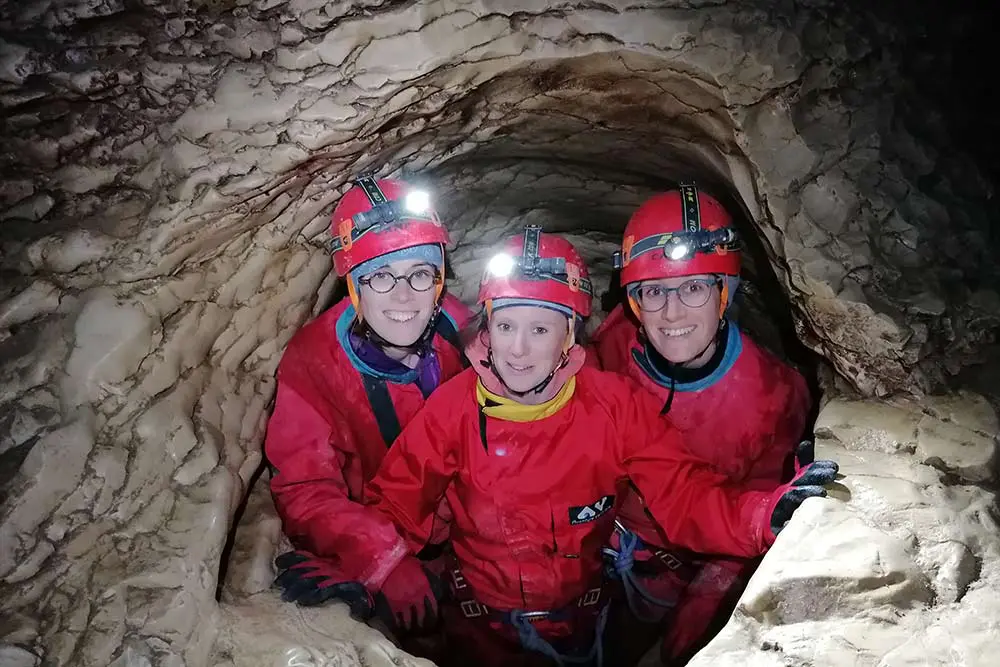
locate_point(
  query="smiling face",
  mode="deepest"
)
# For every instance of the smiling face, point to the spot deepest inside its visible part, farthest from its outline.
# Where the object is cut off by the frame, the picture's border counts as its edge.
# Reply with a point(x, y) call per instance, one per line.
point(401, 314)
point(527, 344)
point(682, 334)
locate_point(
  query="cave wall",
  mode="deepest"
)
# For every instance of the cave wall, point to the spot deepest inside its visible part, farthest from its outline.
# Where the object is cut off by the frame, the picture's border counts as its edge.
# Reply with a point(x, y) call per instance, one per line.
point(169, 169)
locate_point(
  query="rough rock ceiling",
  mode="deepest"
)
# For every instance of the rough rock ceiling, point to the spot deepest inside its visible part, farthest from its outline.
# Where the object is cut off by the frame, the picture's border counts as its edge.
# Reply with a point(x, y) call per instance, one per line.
point(167, 176)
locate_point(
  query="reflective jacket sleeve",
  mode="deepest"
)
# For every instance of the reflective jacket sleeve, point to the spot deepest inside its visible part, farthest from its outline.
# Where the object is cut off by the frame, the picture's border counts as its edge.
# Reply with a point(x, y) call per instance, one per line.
point(685, 495)
point(307, 445)
point(416, 472)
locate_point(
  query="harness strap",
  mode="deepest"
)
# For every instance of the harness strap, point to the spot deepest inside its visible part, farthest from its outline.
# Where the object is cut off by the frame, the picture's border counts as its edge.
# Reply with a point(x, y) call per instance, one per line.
point(621, 564)
point(385, 412)
point(378, 392)
point(528, 635)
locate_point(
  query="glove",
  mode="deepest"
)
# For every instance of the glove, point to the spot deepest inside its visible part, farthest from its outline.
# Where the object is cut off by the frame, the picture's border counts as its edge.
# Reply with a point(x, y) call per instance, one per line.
point(309, 580)
point(808, 482)
point(409, 597)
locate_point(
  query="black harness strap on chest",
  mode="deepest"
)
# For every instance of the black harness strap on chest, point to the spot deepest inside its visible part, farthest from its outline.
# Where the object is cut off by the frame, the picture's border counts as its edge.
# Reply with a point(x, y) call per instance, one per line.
point(385, 412)
point(378, 392)
point(482, 429)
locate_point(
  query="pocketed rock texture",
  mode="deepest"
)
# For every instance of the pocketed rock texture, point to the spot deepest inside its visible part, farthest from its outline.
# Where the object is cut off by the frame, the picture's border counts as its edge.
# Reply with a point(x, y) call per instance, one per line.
point(167, 179)
point(900, 566)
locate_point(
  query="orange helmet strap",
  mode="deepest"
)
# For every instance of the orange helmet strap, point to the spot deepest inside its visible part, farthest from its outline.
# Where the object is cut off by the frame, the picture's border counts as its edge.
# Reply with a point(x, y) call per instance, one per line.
point(723, 302)
point(355, 299)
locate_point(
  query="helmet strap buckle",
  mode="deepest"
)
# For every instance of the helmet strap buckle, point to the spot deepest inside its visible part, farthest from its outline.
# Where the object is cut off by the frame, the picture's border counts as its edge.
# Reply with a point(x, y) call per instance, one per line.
point(344, 229)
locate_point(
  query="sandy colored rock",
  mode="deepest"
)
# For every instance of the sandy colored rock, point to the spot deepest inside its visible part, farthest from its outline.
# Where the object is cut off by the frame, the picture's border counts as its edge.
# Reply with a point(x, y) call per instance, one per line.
point(899, 566)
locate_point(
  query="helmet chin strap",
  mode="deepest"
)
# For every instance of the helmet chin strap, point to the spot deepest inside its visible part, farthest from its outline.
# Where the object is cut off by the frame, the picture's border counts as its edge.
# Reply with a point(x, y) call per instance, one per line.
point(673, 382)
point(537, 389)
point(541, 386)
point(363, 329)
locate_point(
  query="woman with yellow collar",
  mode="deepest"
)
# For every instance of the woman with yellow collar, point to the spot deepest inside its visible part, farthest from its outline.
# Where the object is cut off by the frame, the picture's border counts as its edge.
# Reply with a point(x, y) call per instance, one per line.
point(533, 451)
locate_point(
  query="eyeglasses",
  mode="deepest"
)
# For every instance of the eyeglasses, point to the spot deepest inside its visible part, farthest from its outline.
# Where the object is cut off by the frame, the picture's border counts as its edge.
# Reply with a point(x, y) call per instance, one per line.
point(693, 293)
point(384, 282)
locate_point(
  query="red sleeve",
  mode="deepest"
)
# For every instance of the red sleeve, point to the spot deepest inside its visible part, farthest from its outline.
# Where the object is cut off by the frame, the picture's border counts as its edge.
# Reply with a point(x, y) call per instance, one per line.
point(685, 495)
point(307, 444)
point(417, 471)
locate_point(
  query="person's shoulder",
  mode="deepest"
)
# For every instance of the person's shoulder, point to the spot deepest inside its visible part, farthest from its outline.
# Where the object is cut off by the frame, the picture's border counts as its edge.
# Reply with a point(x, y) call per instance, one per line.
point(605, 386)
point(316, 342)
point(459, 313)
point(754, 352)
point(459, 388)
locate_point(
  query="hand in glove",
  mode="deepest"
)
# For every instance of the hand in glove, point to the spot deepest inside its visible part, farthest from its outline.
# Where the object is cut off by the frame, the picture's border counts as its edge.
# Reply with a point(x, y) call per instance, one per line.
point(309, 580)
point(409, 597)
point(810, 478)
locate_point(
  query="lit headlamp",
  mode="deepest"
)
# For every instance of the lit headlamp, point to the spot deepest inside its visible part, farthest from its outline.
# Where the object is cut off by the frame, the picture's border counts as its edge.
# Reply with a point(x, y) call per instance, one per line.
point(530, 266)
point(681, 246)
point(416, 204)
point(687, 244)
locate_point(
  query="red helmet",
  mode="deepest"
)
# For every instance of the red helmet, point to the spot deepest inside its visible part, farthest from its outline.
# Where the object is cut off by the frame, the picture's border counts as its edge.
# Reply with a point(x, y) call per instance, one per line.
point(375, 218)
point(682, 232)
point(538, 267)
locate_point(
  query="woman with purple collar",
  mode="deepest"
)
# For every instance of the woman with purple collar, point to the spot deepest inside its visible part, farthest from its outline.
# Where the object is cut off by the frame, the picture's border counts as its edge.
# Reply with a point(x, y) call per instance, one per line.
point(348, 382)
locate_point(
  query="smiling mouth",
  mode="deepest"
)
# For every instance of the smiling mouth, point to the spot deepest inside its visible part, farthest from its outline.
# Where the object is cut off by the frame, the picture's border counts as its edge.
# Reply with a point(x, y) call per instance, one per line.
point(401, 316)
point(676, 333)
point(520, 370)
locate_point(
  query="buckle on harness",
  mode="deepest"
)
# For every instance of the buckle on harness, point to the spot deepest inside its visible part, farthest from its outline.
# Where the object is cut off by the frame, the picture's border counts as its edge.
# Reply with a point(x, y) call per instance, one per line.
point(668, 559)
point(590, 598)
point(472, 609)
point(458, 579)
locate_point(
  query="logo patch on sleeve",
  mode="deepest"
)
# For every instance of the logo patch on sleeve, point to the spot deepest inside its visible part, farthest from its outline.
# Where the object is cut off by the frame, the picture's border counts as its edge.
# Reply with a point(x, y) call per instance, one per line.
point(596, 509)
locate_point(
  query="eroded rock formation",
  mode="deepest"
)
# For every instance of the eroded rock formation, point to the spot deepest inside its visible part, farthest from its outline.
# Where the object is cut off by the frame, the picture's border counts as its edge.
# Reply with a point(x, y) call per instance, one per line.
point(168, 175)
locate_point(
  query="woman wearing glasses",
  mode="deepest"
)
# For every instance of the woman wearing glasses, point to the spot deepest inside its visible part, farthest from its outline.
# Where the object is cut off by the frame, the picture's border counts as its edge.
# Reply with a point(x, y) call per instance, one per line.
point(347, 383)
point(533, 451)
point(739, 407)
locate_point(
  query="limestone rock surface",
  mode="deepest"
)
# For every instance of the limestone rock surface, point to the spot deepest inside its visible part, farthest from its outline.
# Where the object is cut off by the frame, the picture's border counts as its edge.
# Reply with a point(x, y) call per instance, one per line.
point(899, 566)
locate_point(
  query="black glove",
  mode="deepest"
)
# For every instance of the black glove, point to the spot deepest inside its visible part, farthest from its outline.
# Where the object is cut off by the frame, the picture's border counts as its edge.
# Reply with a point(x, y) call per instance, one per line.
point(810, 479)
point(309, 580)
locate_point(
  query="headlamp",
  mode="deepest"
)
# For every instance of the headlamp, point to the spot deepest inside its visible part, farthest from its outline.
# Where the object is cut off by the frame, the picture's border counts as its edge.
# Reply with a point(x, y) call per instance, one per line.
point(530, 266)
point(418, 202)
point(687, 244)
point(415, 205)
point(681, 246)
point(501, 265)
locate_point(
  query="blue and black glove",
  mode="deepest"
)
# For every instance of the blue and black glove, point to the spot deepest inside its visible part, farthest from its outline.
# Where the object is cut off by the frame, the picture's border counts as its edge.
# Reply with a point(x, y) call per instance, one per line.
point(309, 580)
point(809, 481)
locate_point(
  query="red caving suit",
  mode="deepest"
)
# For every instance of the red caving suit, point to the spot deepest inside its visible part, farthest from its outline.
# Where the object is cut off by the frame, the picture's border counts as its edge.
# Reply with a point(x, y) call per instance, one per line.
point(325, 444)
point(746, 419)
point(534, 501)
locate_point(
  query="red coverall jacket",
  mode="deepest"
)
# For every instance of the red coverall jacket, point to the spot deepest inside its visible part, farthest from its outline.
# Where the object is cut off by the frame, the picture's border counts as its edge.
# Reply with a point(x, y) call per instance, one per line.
point(534, 502)
point(745, 419)
point(325, 444)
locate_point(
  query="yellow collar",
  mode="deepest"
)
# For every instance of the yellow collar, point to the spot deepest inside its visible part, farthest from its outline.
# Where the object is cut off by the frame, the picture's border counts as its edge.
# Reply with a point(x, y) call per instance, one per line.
point(510, 410)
